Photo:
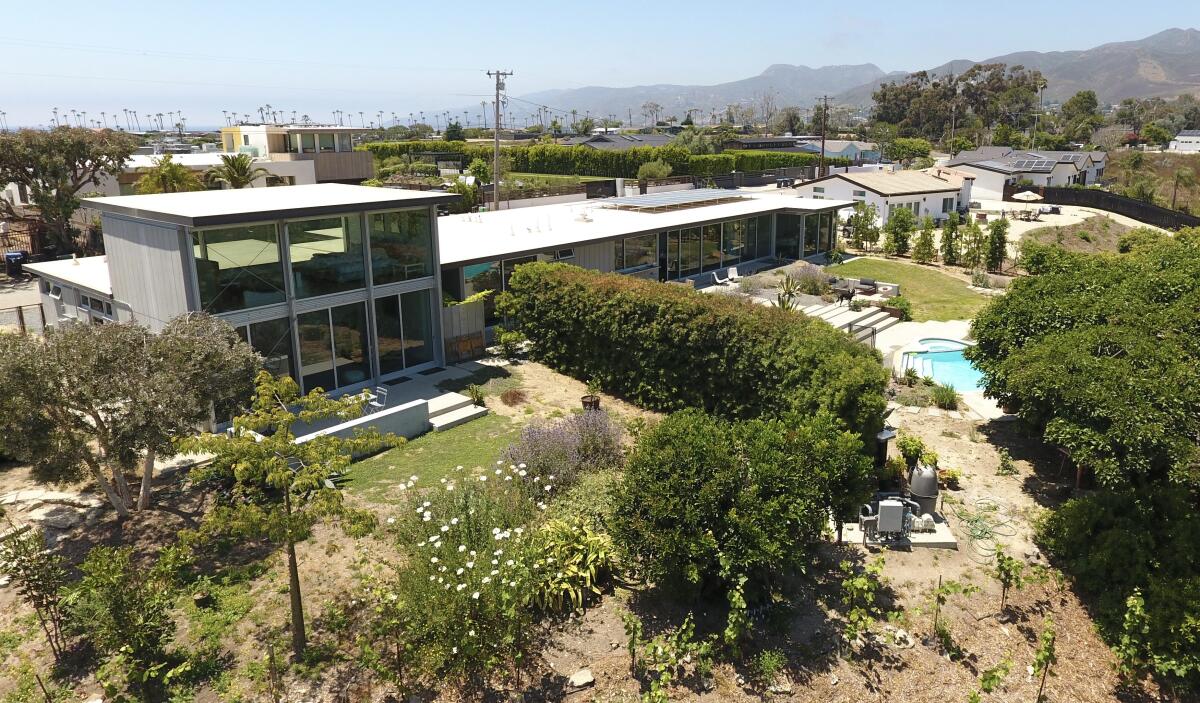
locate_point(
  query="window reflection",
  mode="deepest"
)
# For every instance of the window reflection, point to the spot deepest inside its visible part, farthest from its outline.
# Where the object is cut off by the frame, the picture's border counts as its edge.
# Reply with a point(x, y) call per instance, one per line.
point(327, 255)
point(401, 245)
point(351, 340)
point(273, 340)
point(711, 247)
point(811, 233)
point(238, 267)
point(316, 350)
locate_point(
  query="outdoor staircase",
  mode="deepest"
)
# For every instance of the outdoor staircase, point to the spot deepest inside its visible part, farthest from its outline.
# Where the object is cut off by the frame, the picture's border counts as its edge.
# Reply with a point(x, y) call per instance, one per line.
point(451, 410)
point(842, 318)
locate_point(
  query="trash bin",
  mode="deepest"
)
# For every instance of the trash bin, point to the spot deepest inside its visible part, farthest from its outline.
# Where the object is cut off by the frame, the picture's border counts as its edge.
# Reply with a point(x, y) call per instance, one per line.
point(13, 260)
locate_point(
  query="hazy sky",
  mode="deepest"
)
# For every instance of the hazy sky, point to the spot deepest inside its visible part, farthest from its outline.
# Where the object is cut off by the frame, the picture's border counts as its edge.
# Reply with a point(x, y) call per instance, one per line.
point(314, 57)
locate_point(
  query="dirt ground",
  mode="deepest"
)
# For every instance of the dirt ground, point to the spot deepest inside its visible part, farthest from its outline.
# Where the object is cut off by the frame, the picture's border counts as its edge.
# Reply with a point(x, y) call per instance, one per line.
point(805, 629)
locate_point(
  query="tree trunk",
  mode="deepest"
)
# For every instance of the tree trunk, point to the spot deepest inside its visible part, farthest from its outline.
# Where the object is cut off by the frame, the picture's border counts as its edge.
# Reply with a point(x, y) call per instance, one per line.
point(121, 484)
point(119, 505)
point(147, 479)
point(299, 641)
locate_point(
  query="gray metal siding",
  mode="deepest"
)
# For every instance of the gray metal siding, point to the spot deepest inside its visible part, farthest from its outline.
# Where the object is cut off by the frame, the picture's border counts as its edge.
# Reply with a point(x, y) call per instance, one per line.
point(598, 257)
point(146, 265)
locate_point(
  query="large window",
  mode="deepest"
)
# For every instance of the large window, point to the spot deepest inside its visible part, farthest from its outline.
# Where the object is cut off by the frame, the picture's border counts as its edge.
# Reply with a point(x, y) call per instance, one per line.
point(764, 237)
point(326, 142)
point(327, 255)
point(238, 267)
point(405, 331)
point(672, 267)
point(401, 245)
point(812, 233)
point(634, 253)
point(334, 347)
point(689, 252)
point(273, 340)
point(308, 143)
point(733, 242)
point(788, 232)
point(826, 239)
point(710, 248)
point(478, 278)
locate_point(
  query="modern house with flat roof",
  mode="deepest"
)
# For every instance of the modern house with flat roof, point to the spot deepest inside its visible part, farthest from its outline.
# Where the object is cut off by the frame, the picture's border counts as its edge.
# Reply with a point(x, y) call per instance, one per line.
point(1186, 142)
point(330, 148)
point(341, 287)
point(685, 236)
point(936, 192)
point(336, 285)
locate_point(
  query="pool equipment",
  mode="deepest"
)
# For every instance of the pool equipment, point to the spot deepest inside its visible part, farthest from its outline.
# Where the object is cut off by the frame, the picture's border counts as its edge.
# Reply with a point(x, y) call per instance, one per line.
point(892, 517)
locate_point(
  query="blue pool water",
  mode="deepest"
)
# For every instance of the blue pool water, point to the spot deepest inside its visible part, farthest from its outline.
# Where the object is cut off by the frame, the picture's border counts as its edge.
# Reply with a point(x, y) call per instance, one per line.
point(944, 361)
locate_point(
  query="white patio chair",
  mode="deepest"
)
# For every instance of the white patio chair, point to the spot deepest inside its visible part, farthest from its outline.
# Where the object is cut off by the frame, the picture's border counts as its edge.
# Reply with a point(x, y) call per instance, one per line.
point(379, 402)
point(733, 274)
point(716, 276)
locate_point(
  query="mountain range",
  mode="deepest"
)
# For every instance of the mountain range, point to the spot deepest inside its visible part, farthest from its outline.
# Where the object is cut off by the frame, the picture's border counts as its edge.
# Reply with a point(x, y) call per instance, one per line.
point(1164, 64)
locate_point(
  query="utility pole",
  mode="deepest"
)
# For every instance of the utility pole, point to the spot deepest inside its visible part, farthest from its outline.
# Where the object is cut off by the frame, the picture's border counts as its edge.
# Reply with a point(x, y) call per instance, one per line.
point(824, 124)
point(499, 76)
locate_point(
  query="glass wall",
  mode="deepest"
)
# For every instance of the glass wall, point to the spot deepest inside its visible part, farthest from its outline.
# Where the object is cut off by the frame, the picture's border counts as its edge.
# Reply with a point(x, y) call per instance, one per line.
point(238, 267)
point(733, 242)
point(273, 340)
point(788, 232)
point(826, 239)
point(635, 253)
point(316, 350)
point(326, 142)
point(327, 255)
point(812, 231)
point(763, 248)
point(351, 341)
point(401, 245)
point(417, 314)
point(710, 248)
point(689, 251)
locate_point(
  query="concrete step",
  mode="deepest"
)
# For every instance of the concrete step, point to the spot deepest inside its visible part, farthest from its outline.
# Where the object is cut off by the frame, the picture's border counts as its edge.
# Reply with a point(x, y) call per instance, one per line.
point(447, 403)
point(454, 418)
point(884, 324)
point(873, 318)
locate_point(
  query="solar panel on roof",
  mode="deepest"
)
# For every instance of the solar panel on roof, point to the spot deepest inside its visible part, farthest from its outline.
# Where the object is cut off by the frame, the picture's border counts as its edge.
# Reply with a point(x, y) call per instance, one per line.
point(674, 200)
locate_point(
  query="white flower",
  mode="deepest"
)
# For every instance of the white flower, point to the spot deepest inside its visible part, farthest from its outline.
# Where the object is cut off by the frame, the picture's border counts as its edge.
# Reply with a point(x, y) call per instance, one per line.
point(426, 504)
point(462, 548)
point(433, 560)
point(453, 521)
point(433, 538)
point(497, 472)
point(458, 571)
point(474, 595)
point(403, 486)
point(509, 562)
point(495, 530)
point(495, 571)
point(487, 579)
point(458, 468)
point(494, 562)
point(460, 586)
point(522, 473)
point(550, 477)
point(483, 478)
point(498, 552)
point(472, 552)
point(518, 530)
point(537, 478)
point(541, 506)
point(432, 577)
point(391, 521)
point(443, 479)
point(508, 478)
point(414, 478)
point(454, 650)
point(499, 463)
point(446, 528)
point(548, 487)
point(521, 465)
point(449, 487)
point(470, 565)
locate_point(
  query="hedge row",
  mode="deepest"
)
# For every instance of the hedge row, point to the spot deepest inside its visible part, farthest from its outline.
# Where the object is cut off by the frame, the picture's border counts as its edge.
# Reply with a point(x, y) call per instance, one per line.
point(667, 348)
point(585, 161)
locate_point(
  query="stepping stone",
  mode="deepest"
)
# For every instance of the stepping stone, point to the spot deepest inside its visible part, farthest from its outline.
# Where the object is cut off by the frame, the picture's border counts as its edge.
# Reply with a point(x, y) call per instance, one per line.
point(935, 412)
point(954, 414)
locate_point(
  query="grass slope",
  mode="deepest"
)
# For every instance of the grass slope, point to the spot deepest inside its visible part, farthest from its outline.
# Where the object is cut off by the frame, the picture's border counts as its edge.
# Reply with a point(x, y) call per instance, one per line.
point(934, 295)
point(1092, 236)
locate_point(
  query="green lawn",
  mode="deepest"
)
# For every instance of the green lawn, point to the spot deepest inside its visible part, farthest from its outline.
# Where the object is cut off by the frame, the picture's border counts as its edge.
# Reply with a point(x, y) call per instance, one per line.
point(433, 455)
point(934, 295)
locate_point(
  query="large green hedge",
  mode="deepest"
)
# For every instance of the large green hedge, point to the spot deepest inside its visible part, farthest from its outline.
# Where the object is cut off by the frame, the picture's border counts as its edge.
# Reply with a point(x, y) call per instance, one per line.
point(668, 348)
point(586, 161)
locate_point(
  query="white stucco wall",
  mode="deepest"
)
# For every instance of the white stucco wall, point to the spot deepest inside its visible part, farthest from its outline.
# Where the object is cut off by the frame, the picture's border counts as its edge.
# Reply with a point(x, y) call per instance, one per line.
point(838, 189)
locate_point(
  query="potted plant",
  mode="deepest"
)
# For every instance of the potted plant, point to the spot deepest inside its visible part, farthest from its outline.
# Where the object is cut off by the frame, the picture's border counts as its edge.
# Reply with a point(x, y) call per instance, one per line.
point(591, 401)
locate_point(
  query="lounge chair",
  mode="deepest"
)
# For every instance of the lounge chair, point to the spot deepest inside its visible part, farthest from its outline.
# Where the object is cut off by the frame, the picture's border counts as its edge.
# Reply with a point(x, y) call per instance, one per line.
point(733, 274)
point(866, 286)
point(717, 280)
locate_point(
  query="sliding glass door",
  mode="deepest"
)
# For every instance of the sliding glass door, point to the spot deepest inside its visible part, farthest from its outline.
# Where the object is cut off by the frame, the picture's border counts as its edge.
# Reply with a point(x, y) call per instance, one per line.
point(334, 347)
point(405, 327)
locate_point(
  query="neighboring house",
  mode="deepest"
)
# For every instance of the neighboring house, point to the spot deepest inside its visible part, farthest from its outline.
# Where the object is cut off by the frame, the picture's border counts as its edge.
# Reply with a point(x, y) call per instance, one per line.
point(619, 141)
point(329, 147)
point(1187, 142)
point(785, 144)
point(685, 235)
point(855, 151)
point(995, 167)
point(335, 285)
point(934, 192)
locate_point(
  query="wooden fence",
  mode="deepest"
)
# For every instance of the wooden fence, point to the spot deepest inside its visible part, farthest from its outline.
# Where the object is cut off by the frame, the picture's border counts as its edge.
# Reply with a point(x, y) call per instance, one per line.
point(463, 330)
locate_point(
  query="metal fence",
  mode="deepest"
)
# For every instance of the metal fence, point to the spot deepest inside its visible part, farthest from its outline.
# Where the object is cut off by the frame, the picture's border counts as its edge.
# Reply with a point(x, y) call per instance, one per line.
point(1103, 200)
point(23, 319)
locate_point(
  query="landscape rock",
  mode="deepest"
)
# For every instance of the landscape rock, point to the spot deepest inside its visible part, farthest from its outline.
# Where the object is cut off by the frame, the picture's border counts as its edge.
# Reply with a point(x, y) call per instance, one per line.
point(782, 686)
point(581, 679)
point(58, 517)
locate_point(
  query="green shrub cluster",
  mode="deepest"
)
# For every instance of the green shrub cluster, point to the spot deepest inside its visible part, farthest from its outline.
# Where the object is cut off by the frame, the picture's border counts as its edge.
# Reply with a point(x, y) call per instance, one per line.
point(711, 164)
point(667, 348)
point(760, 160)
point(706, 503)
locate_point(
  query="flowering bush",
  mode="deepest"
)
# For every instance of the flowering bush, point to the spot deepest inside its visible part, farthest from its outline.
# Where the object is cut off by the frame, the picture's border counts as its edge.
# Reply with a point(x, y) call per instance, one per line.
point(561, 452)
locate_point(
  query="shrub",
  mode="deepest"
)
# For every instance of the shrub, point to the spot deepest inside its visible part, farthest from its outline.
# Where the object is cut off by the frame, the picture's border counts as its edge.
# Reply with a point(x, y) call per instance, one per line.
point(705, 502)
point(666, 349)
point(904, 305)
point(653, 169)
point(980, 279)
point(898, 230)
point(1005, 467)
point(767, 666)
point(510, 342)
point(911, 448)
point(572, 560)
point(1138, 238)
point(924, 251)
point(945, 397)
point(711, 164)
point(512, 396)
point(811, 280)
point(561, 452)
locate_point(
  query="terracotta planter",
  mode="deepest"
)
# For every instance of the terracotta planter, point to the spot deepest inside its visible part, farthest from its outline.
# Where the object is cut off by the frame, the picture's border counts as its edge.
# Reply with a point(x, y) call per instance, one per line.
point(590, 402)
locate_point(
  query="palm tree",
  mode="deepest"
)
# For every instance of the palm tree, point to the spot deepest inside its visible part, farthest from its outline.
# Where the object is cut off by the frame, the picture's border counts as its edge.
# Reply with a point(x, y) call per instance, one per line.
point(167, 176)
point(236, 171)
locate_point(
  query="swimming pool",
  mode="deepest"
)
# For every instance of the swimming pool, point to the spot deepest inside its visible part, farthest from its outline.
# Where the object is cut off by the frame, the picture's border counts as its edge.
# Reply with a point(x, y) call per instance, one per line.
point(943, 360)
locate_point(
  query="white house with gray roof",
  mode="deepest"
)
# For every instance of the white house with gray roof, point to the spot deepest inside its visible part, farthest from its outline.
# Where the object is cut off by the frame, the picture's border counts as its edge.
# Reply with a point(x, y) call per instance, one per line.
point(1186, 142)
point(996, 167)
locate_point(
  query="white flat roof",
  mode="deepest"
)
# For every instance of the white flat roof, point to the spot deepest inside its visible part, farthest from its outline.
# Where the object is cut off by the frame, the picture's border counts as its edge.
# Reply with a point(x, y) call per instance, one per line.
point(90, 272)
point(221, 207)
point(488, 236)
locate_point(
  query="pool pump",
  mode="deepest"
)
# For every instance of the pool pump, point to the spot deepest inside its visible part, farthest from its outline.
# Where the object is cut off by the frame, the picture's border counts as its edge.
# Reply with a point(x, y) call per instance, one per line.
point(892, 517)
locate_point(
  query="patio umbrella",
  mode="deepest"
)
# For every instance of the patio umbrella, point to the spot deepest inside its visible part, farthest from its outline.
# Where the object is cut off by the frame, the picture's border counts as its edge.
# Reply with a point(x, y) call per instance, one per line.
point(1027, 196)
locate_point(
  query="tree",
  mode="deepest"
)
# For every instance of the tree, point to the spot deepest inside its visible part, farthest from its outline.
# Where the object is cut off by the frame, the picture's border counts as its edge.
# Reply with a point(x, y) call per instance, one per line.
point(454, 132)
point(1045, 657)
point(864, 230)
point(959, 144)
point(1155, 134)
point(1008, 571)
point(905, 150)
point(924, 251)
point(972, 245)
point(277, 489)
point(480, 170)
point(468, 197)
point(653, 169)
point(584, 126)
point(787, 121)
point(1005, 135)
point(39, 575)
point(1185, 177)
point(55, 166)
point(167, 176)
point(696, 142)
point(949, 242)
point(997, 246)
point(236, 171)
point(898, 230)
point(93, 399)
